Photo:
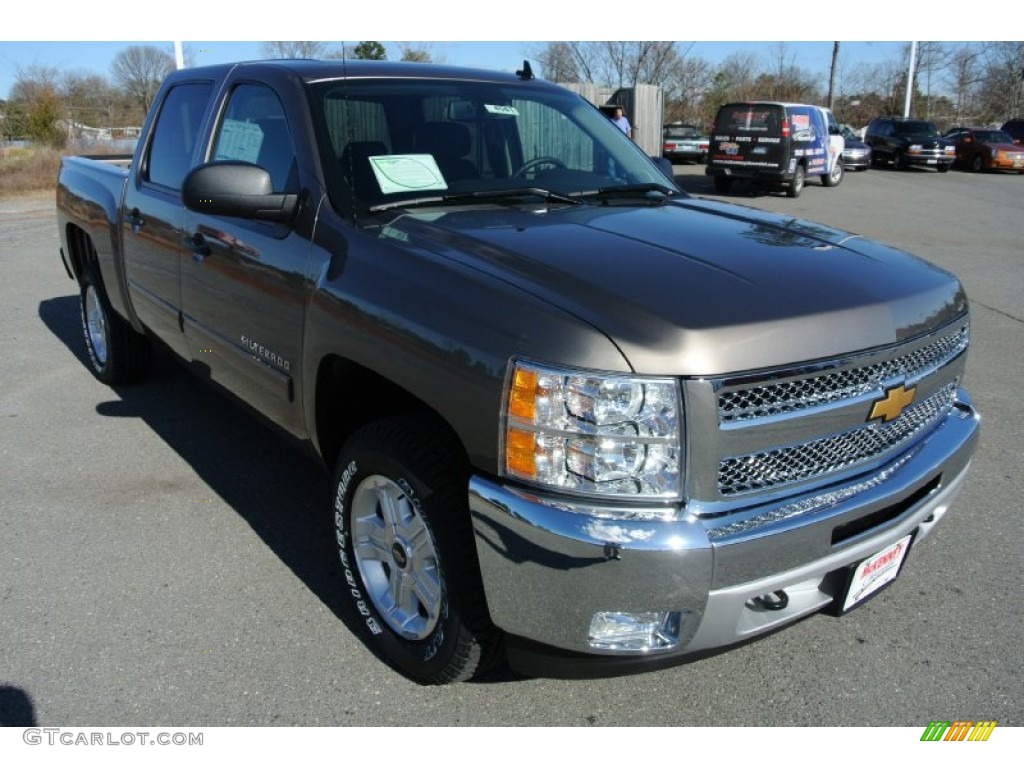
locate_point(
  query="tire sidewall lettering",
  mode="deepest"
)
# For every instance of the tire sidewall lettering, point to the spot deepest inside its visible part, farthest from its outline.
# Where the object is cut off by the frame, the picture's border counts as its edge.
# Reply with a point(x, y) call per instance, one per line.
point(350, 475)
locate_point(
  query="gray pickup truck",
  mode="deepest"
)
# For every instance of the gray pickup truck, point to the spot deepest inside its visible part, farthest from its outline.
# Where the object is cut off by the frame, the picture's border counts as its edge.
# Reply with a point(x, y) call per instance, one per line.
point(576, 418)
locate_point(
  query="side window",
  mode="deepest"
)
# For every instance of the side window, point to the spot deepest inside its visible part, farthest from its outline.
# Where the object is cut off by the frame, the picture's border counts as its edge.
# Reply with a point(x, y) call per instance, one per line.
point(254, 130)
point(833, 125)
point(176, 132)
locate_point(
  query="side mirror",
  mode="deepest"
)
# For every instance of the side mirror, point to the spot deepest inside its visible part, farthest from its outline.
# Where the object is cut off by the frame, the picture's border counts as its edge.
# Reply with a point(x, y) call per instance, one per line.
point(665, 166)
point(235, 188)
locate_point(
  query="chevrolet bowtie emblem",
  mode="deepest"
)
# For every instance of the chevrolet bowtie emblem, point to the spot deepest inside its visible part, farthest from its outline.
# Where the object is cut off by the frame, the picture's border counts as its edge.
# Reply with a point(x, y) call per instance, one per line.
point(892, 405)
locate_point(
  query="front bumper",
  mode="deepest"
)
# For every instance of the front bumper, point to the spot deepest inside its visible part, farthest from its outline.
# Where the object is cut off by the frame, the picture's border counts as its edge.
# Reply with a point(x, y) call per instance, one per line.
point(929, 160)
point(855, 162)
point(549, 564)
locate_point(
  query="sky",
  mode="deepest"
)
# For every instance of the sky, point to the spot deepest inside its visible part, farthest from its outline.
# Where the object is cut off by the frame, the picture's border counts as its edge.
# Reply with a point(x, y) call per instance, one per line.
point(75, 36)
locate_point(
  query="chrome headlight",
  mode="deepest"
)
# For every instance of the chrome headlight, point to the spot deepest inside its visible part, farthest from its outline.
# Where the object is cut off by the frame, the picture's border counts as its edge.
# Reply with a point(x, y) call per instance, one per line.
point(593, 433)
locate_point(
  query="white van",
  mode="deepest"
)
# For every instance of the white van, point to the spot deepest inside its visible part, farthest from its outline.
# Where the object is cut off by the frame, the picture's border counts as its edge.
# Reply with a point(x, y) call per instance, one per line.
point(775, 144)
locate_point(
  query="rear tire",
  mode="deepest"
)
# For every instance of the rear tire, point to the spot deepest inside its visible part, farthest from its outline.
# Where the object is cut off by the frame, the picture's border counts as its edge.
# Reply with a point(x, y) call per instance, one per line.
point(722, 184)
point(977, 164)
point(117, 353)
point(796, 186)
point(404, 536)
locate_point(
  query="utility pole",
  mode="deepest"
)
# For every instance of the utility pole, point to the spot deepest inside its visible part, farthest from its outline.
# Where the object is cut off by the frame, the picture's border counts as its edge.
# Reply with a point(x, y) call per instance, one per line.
point(910, 79)
point(832, 75)
point(179, 54)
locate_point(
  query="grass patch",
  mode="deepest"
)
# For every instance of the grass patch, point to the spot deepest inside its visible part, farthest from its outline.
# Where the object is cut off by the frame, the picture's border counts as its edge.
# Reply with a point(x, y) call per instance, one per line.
point(34, 169)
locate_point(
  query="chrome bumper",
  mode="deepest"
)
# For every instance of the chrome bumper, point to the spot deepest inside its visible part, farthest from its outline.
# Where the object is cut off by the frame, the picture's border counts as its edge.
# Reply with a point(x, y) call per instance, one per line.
point(550, 563)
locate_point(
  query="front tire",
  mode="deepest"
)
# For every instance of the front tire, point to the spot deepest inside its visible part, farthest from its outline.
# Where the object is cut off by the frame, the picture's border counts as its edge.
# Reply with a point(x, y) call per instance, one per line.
point(117, 353)
point(405, 541)
point(722, 184)
point(833, 178)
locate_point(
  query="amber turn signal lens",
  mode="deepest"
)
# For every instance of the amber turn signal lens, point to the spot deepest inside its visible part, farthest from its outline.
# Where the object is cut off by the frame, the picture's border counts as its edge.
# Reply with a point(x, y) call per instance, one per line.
point(523, 397)
point(520, 453)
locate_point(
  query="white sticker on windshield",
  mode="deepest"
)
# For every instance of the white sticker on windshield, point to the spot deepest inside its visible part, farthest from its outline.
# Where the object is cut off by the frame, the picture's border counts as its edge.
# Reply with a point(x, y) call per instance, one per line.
point(407, 173)
point(501, 109)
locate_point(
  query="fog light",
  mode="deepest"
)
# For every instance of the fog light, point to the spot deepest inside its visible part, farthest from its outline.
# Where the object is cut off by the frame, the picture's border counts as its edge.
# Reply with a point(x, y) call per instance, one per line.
point(636, 632)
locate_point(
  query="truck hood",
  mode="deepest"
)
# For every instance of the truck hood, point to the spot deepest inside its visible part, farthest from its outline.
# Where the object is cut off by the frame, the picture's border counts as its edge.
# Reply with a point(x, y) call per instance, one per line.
point(695, 287)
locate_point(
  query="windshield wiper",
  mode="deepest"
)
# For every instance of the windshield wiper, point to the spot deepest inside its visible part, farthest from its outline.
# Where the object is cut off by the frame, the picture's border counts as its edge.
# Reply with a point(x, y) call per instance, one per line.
point(485, 195)
point(633, 190)
point(546, 194)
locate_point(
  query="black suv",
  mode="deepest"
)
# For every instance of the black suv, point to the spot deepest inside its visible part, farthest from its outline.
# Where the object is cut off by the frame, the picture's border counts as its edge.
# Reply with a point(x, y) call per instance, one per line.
point(907, 141)
point(1015, 128)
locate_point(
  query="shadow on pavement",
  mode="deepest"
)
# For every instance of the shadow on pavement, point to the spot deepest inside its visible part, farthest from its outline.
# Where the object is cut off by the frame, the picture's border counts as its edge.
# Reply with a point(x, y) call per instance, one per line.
point(16, 710)
point(281, 492)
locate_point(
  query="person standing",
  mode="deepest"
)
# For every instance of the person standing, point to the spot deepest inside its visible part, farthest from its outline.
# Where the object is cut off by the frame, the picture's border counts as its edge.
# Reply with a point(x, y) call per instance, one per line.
point(623, 122)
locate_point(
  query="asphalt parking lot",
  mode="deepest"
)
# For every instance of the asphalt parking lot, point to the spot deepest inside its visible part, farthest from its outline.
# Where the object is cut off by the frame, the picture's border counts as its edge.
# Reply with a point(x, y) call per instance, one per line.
point(167, 559)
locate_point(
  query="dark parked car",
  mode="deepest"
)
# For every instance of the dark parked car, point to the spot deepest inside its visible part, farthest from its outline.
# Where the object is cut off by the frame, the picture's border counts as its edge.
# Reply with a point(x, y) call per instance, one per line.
point(985, 149)
point(907, 141)
point(856, 154)
point(685, 142)
point(1015, 128)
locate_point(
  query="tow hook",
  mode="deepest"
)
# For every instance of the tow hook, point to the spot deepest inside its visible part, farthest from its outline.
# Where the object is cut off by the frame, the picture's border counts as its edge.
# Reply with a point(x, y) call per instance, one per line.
point(773, 601)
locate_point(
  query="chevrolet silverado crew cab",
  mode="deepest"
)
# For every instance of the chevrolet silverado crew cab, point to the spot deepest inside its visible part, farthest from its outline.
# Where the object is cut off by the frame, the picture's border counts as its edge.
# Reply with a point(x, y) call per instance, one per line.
point(575, 418)
point(775, 145)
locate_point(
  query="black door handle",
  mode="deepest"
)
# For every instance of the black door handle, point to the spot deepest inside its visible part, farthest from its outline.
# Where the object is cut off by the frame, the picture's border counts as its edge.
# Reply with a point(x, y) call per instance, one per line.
point(200, 250)
point(135, 220)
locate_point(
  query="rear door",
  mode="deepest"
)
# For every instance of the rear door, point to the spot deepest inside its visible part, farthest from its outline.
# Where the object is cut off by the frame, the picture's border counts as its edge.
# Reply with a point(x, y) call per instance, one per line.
point(153, 212)
point(750, 137)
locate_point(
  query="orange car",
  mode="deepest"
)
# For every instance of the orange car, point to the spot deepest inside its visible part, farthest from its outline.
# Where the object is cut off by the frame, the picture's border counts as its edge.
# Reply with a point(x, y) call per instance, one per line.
point(986, 149)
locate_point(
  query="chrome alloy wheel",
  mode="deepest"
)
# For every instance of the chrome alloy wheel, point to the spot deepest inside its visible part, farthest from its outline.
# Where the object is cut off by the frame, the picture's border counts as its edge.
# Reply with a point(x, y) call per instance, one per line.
point(396, 557)
point(96, 325)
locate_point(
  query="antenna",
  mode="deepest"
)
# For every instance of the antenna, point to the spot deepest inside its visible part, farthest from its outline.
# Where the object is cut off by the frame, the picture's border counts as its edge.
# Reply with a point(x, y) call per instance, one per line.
point(525, 73)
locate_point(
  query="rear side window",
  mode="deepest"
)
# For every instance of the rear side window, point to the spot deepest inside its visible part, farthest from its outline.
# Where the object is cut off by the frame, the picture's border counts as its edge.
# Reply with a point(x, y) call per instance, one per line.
point(176, 133)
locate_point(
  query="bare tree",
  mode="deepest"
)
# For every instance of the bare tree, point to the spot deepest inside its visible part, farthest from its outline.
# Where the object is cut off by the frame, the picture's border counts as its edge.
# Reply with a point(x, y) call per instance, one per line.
point(139, 70)
point(1002, 89)
point(965, 73)
point(422, 52)
point(32, 81)
point(568, 62)
point(932, 57)
point(35, 106)
point(294, 49)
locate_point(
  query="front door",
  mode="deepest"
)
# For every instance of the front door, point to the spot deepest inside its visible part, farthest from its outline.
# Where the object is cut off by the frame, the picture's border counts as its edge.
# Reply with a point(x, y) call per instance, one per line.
point(244, 282)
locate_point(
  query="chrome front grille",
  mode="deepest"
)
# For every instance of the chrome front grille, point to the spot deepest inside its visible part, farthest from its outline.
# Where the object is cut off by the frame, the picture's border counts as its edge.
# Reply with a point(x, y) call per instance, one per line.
point(769, 469)
point(823, 388)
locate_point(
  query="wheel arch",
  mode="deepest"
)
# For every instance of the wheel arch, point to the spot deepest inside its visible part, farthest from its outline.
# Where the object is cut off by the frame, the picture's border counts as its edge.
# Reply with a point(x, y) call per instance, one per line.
point(349, 396)
point(81, 249)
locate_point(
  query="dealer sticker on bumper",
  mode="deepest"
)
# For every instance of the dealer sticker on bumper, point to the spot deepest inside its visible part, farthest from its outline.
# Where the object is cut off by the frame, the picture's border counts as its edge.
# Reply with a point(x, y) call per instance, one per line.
point(875, 572)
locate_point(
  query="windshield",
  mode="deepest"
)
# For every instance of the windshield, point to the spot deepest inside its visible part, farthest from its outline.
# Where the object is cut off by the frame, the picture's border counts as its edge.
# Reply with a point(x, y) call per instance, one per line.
point(993, 137)
point(681, 132)
point(395, 140)
point(917, 128)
